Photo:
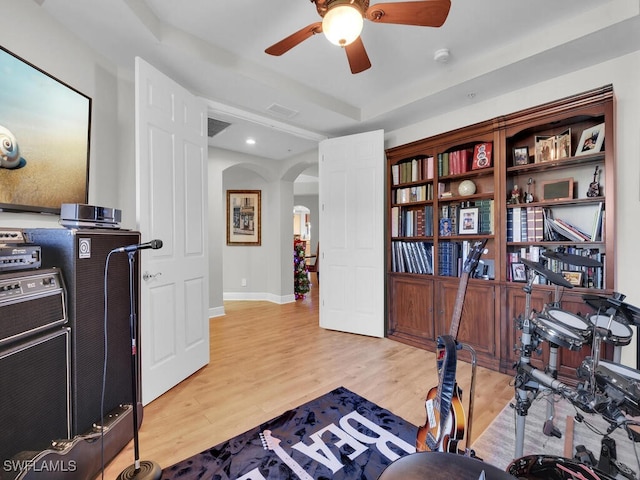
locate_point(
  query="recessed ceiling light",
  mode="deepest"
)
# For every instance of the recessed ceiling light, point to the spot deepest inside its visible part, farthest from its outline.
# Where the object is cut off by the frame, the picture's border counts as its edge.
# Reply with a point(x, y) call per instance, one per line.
point(250, 141)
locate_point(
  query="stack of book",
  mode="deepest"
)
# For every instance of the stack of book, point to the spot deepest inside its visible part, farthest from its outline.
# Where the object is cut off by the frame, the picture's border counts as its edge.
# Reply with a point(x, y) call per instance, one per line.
point(412, 257)
point(454, 163)
point(413, 170)
point(525, 224)
point(416, 222)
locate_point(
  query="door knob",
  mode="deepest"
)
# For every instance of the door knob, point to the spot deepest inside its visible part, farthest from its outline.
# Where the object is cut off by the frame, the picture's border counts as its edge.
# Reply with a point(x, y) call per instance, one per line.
point(150, 276)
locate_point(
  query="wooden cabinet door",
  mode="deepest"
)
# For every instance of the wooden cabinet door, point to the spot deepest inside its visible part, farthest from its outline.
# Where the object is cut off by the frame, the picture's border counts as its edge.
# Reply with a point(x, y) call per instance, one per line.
point(411, 310)
point(477, 323)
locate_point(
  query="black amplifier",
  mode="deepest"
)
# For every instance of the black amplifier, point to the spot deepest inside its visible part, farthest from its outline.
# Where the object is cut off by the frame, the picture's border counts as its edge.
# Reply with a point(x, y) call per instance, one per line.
point(19, 256)
point(30, 302)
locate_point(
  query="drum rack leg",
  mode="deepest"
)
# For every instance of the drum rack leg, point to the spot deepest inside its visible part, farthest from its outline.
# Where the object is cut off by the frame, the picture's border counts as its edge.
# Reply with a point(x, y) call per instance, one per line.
point(549, 429)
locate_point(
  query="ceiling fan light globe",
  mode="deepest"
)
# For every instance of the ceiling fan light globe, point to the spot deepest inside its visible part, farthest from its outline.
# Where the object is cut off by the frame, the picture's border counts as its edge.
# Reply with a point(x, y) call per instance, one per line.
point(342, 24)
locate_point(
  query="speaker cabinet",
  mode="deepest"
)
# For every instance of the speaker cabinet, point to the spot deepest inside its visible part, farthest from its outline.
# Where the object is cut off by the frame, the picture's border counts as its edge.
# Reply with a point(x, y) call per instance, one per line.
point(35, 393)
point(81, 255)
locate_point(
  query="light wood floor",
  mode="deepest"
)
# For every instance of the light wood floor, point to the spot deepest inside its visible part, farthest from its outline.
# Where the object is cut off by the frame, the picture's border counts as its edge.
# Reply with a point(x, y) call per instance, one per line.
point(268, 358)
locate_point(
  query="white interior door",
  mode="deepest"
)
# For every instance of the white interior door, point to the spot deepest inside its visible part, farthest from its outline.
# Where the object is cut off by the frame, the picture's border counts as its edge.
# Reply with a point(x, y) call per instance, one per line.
point(351, 172)
point(171, 174)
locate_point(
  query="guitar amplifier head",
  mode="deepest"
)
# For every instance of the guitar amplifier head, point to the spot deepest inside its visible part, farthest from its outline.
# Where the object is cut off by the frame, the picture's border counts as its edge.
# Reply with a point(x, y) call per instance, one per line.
point(30, 302)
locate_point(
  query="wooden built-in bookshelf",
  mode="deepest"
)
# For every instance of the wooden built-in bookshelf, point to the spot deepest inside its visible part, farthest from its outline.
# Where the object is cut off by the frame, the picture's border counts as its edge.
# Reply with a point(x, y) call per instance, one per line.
point(427, 181)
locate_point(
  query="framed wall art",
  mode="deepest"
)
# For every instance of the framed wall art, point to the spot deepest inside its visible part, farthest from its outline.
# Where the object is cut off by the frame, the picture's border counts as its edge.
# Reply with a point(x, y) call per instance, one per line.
point(563, 144)
point(561, 189)
point(545, 148)
point(518, 272)
point(591, 140)
point(574, 278)
point(244, 217)
point(521, 155)
point(468, 221)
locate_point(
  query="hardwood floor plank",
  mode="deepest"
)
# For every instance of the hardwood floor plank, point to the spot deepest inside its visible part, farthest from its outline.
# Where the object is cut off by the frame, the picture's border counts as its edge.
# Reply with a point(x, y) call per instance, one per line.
point(268, 358)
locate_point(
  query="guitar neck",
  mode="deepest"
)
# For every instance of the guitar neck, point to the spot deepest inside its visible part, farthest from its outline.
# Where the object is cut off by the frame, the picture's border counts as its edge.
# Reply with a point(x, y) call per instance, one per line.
point(457, 309)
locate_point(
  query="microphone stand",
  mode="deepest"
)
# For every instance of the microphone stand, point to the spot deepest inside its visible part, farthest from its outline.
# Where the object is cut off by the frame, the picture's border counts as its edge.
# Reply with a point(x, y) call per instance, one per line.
point(147, 469)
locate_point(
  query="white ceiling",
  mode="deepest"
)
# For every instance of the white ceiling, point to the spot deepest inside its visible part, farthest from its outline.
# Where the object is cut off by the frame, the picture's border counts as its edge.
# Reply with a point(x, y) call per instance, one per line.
point(216, 49)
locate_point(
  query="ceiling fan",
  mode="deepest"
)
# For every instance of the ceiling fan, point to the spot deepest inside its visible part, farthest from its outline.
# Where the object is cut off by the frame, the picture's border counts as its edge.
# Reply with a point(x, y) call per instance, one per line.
point(342, 22)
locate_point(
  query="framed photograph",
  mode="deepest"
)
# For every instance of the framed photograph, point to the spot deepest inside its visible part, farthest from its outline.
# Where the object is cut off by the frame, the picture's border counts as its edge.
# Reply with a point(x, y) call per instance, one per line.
point(591, 140)
point(574, 278)
point(244, 217)
point(45, 131)
point(482, 156)
point(445, 227)
point(518, 272)
point(468, 221)
point(563, 144)
point(558, 189)
point(545, 148)
point(521, 155)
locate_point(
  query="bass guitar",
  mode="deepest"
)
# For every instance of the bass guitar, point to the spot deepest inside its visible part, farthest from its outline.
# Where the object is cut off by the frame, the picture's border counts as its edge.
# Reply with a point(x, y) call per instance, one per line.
point(445, 424)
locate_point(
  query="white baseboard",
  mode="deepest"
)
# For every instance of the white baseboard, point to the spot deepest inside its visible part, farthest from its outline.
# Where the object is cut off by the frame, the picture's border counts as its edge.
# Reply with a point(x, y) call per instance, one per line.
point(216, 312)
point(259, 296)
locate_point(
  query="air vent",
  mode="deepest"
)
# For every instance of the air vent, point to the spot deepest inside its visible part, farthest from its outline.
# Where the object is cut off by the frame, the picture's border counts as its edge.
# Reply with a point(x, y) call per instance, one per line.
point(282, 111)
point(214, 127)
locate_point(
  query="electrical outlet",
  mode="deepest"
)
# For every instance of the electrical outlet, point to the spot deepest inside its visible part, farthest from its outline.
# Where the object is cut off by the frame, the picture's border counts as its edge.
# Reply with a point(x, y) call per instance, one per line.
point(243, 282)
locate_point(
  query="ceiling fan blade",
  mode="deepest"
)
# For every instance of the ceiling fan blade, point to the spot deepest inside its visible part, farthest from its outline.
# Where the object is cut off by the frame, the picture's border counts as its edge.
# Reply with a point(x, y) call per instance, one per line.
point(357, 56)
point(291, 41)
point(426, 13)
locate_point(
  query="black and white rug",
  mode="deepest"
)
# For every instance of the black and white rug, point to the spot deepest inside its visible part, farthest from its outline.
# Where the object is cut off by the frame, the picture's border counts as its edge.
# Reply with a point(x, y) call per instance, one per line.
point(339, 435)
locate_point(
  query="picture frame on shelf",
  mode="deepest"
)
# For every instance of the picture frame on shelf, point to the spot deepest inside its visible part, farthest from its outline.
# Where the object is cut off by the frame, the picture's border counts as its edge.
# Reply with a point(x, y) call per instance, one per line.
point(574, 278)
point(563, 144)
point(244, 217)
point(521, 156)
point(482, 156)
point(445, 227)
point(591, 140)
point(468, 224)
point(561, 189)
point(518, 272)
point(545, 148)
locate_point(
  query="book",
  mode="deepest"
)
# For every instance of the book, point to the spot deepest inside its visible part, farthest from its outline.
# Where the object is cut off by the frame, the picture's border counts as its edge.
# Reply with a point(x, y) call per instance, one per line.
point(596, 230)
point(517, 232)
point(510, 225)
point(395, 174)
point(430, 169)
point(565, 231)
point(395, 221)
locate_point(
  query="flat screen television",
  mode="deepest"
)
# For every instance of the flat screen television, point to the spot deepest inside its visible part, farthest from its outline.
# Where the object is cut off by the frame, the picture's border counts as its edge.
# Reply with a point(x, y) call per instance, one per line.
point(45, 130)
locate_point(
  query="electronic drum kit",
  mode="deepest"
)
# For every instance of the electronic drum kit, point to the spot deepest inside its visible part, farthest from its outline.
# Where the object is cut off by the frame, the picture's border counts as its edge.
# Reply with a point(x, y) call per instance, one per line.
point(606, 388)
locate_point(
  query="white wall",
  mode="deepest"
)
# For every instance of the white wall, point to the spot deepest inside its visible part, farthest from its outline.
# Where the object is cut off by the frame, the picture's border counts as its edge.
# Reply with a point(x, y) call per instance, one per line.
point(624, 74)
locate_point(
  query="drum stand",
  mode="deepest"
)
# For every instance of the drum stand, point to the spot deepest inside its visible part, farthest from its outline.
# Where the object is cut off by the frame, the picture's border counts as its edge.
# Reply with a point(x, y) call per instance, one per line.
point(529, 380)
point(523, 383)
point(607, 463)
point(549, 429)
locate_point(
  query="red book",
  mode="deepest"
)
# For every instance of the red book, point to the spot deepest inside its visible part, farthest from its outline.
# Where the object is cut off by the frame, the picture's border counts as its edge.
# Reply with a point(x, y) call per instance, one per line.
point(482, 155)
